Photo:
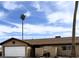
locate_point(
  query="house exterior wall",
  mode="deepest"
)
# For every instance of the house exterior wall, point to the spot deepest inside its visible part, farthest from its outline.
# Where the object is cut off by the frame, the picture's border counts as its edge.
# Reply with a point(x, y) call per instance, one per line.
point(67, 52)
point(77, 50)
point(54, 50)
point(51, 49)
point(17, 43)
point(62, 52)
point(0, 51)
point(38, 52)
point(58, 50)
point(28, 51)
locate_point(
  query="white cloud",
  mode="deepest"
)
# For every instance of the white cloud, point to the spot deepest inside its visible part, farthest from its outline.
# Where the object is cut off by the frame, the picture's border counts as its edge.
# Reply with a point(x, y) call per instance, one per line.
point(11, 5)
point(44, 29)
point(52, 31)
point(65, 5)
point(64, 34)
point(2, 14)
point(6, 29)
point(62, 16)
point(32, 29)
point(36, 4)
point(41, 6)
point(27, 14)
point(65, 13)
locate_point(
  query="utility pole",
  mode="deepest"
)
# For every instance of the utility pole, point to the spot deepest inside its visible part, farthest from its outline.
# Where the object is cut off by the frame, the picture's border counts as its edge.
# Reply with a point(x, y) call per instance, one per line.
point(22, 18)
point(73, 53)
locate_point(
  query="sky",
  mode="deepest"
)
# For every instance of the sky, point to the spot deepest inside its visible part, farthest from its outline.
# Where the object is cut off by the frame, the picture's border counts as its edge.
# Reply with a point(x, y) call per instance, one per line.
point(44, 19)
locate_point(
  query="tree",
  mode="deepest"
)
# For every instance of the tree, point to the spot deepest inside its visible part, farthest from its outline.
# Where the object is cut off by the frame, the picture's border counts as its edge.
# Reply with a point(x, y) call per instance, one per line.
point(22, 18)
point(73, 31)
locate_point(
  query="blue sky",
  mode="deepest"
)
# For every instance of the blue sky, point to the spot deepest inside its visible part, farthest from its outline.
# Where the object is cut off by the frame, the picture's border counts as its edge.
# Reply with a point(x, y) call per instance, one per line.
point(44, 19)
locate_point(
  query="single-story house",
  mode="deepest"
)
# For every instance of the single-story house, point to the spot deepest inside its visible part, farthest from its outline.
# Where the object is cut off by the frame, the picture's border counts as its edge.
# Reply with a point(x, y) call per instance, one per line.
point(48, 47)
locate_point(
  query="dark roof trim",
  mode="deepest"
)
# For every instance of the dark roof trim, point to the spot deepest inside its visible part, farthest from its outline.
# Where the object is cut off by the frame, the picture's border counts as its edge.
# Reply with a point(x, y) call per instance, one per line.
point(53, 44)
point(15, 39)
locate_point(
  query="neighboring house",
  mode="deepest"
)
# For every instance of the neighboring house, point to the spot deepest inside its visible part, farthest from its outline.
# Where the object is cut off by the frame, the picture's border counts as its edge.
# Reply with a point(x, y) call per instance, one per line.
point(49, 47)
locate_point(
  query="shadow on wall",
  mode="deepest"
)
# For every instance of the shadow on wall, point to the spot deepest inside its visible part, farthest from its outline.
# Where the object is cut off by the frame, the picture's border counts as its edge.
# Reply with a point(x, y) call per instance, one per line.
point(47, 54)
point(0, 54)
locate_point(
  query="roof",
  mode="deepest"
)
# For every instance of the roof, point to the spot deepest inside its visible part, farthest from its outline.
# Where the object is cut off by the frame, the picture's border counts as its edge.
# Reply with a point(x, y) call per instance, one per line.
point(54, 41)
point(14, 39)
point(46, 41)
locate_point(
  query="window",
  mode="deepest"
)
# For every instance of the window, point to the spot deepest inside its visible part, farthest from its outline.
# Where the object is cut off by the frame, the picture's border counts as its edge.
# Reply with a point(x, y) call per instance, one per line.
point(67, 47)
point(64, 48)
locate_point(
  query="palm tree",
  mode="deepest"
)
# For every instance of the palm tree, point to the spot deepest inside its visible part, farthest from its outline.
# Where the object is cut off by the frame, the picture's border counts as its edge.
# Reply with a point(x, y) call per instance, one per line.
point(22, 18)
point(73, 31)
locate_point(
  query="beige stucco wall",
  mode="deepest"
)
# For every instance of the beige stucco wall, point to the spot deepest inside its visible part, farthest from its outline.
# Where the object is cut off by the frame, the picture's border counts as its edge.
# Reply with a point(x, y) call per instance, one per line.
point(51, 49)
point(62, 52)
point(0, 49)
point(67, 52)
point(77, 50)
point(55, 50)
point(28, 50)
point(17, 43)
point(39, 52)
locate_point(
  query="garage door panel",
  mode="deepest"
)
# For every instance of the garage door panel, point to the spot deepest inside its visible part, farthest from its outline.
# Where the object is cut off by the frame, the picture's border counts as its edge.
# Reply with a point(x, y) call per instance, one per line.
point(15, 51)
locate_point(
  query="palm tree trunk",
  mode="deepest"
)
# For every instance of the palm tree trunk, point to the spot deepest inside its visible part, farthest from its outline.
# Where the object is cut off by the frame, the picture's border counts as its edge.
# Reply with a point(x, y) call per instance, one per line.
point(22, 31)
point(22, 18)
point(73, 31)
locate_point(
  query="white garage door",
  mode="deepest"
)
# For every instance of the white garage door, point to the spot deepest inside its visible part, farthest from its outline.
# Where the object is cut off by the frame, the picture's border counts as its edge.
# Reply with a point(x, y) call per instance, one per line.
point(15, 51)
